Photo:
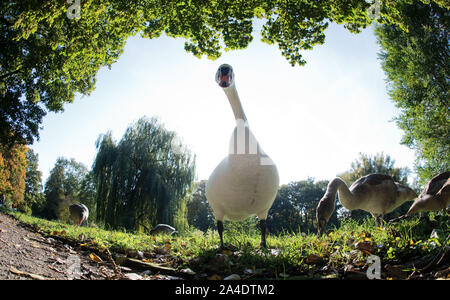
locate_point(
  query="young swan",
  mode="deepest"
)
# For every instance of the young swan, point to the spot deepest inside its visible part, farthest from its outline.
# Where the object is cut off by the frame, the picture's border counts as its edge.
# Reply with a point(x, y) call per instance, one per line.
point(79, 213)
point(436, 195)
point(246, 181)
point(163, 228)
point(377, 194)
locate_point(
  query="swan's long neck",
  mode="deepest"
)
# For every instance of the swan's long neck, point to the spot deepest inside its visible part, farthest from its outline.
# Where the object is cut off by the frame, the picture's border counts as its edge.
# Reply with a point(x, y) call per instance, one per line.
point(235, 103)
point(346, 197)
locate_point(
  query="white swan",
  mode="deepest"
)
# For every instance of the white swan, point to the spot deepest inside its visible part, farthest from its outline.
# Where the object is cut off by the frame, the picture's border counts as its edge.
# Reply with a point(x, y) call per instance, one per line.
point(377, 194)
point(245, 182)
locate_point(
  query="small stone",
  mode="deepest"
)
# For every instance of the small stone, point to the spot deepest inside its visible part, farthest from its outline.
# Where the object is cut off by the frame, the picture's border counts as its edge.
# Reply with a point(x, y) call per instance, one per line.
point(133, 276)
point(188, 271)
point(233, 277)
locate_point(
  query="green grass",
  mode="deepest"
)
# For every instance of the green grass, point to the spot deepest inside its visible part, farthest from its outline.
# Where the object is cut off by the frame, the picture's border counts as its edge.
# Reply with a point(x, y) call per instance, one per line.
point(294, 254)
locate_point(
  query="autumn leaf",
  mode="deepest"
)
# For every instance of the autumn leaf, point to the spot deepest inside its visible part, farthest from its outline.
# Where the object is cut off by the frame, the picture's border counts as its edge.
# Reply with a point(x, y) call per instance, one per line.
point(227, 252)
point(313, 259)
point(215, 277)
point(366, 247)
point(35, 245)
point(95, 258)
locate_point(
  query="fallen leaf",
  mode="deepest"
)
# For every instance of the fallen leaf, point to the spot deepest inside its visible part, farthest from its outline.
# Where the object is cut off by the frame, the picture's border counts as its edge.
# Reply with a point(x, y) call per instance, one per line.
point(35, 245)
point(366, 247)
point(313, 259)
point(215, 277)
point(227, 252)
point(95, 258)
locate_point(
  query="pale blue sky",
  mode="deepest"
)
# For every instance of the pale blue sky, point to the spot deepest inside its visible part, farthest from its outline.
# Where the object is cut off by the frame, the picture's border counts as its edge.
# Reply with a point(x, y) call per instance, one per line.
point(312, 120)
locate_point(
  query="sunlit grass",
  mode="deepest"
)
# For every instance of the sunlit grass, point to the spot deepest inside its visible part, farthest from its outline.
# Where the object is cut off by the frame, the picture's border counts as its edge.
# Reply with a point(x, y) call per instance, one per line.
point(287, 253)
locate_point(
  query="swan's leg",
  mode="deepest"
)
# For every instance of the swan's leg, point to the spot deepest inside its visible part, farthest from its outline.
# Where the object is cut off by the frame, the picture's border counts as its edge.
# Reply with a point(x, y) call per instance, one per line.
point(220, 230)
point(262, 226)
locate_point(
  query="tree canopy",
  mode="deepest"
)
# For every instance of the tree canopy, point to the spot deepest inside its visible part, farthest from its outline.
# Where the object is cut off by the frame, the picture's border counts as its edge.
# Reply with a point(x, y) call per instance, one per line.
point(294, 208)
point(13, 168)
point(199, 213)
point(62, 188)
point(49, 53)
point(417, 65)
point(34, 198)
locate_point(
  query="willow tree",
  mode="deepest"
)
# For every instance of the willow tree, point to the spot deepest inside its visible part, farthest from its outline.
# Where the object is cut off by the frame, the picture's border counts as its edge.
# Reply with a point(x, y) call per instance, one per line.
point(143, 179)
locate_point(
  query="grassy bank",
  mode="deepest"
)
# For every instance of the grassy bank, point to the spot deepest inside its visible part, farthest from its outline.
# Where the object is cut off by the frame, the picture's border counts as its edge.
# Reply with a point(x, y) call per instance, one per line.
point(340, 252)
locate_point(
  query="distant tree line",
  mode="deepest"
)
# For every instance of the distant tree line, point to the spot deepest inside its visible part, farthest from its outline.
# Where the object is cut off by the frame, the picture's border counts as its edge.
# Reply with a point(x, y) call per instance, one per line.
point(294, 208)
point(146, 178)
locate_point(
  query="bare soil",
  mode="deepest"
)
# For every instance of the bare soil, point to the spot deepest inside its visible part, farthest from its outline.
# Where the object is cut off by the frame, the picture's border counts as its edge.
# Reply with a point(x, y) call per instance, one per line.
point(26, 254)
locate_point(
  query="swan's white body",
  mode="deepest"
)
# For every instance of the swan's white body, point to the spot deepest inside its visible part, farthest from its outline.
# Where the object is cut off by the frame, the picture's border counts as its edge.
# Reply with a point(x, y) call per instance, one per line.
point(241, 186)
point(245, 183)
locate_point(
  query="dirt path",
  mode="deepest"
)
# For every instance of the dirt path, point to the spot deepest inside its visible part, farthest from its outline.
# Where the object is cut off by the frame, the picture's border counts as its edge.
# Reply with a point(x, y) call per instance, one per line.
point(25, 254)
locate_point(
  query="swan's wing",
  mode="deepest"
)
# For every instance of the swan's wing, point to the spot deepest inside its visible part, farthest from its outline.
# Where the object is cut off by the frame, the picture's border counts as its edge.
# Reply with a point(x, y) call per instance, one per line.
point(371, 179)
point(436, 183)
point(372, 184)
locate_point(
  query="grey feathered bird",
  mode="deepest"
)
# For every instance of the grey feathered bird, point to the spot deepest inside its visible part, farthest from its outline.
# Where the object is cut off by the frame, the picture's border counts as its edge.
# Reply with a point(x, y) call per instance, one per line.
point(436, 195)
point(79, 214)
point(163, 228)
point(377, 194)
